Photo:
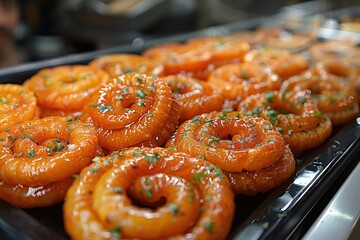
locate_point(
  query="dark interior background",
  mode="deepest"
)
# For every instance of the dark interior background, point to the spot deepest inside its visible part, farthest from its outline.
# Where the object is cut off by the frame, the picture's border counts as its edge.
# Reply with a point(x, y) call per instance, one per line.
point(59, 27)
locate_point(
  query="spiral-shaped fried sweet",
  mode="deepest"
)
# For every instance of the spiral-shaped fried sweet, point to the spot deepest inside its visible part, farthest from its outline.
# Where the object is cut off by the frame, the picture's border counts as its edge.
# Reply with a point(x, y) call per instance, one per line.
point(237, 144)
point(295, 115)
point(194, 96)
point(177, 197)
point(65, 88)
point(43, 154)
point(244, 79)
point(119, 64)
point(333, 96)
point(132, 110)
point(284, 64)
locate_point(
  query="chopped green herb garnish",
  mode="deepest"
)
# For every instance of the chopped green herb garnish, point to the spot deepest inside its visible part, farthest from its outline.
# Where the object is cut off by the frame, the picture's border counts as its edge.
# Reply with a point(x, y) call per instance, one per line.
point(244, 75)
point(152, 158)
point(318, 114)
point(138, 154)
point(127, 70)
point(267, 127)
point(139, 80)
point(210, 227)
point(140, 103)
point(273, 116)
point(125, 90)
point(292, 105)
point(207, 197)
point(283, 94)
point(57, 148)
point(3, 100)
point(31, 153)
point(12, 138)
point(94, 169)
point(269, 96)
point(151, 88)
point(104, 107)
point(196, 120)
point(149, 193)
point(217, 170)
point(199, 175)
point(141, 94)
point(117, 190)
point(70, 120)
point(202, 156)
point(119, 97)
point(227, 110)
point(116, 233)
point(76, 176)
point(302, 100)
point(173, 147)
point(174, 208)
point(96, 159)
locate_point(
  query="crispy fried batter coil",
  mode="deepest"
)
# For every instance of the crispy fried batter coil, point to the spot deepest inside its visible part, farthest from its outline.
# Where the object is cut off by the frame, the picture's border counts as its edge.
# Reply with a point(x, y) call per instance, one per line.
point(100, 204)
point(131, 110)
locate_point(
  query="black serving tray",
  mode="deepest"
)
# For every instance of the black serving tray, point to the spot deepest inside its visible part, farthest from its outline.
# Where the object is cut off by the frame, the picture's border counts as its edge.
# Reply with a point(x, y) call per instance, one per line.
point(278, 214)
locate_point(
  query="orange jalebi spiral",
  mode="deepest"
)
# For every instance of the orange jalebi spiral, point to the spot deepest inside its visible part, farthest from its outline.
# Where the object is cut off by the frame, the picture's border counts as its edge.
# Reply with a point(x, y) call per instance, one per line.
point(231, 141)
point(177, 197)
point(281, 61)
point(224, 49)
point(344, 51)
point(194, 96)
point(119, 64)
point(295, 115)
point(243, 79)
point(65, 87)
point(332, 96)
point(43, 152)
point(17, 104)
point(291, 42)
point(132, 110)
point(343, 72)
point(242, 146)
point(179, 58)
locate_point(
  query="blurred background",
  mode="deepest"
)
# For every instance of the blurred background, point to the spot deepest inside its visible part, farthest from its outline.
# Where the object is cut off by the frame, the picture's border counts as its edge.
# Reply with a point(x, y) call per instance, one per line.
point(44, 29)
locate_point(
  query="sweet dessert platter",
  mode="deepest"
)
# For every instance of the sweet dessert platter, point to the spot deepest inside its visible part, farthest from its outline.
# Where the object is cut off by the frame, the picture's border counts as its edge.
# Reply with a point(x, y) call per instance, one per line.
point(175, 140)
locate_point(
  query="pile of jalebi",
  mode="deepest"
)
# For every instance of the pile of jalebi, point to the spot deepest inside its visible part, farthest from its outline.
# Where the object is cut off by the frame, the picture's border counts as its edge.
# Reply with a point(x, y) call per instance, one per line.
point(157, 145)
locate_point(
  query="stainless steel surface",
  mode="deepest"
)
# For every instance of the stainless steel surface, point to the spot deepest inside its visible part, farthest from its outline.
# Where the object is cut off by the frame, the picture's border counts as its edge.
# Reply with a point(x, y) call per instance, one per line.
point(336, 34)
point(340, 219)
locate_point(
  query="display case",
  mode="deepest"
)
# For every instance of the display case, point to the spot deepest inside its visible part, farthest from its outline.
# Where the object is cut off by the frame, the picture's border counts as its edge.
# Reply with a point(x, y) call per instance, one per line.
point(283, 213)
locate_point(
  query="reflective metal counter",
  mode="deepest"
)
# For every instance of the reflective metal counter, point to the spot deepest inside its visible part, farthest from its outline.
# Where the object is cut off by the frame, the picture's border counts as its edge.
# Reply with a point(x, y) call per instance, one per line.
point(340, 218)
